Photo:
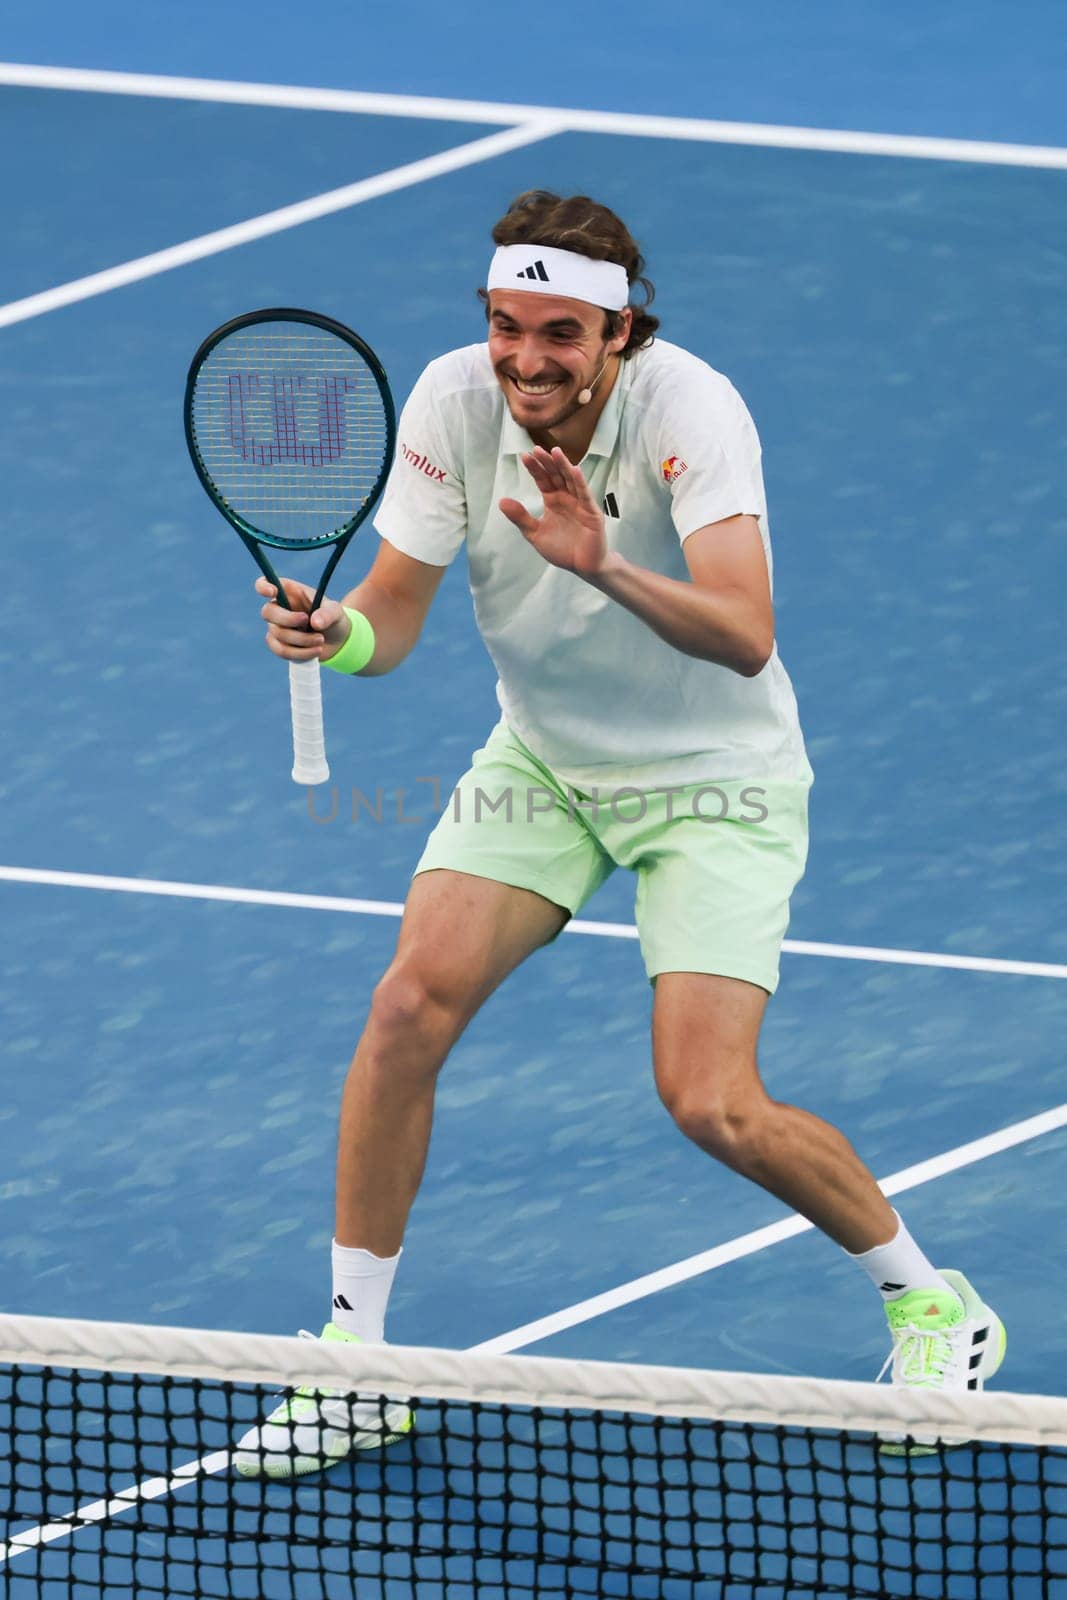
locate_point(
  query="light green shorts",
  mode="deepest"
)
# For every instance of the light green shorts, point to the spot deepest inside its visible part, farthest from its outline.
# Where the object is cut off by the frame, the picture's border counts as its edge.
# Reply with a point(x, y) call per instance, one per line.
point(716, 863)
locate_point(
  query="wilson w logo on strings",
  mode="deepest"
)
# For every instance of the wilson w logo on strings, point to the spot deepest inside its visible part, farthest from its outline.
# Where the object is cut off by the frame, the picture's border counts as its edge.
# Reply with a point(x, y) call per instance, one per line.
point(292, 418)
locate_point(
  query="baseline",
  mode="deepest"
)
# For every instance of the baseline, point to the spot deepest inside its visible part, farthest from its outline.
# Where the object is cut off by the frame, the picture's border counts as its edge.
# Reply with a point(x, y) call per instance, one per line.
point(629, 124)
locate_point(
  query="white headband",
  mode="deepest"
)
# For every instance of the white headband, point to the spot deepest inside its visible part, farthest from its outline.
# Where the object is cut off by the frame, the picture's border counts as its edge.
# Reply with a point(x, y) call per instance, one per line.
point(541, 269)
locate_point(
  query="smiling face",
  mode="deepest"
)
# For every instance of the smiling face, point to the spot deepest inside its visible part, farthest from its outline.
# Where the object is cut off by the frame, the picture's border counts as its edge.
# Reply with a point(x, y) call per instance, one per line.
point(545, 350)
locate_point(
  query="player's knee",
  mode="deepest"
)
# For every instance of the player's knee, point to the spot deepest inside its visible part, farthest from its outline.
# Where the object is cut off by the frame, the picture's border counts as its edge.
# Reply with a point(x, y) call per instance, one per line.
point(409, 1007)
point(723, 1124)
point(716, 1128)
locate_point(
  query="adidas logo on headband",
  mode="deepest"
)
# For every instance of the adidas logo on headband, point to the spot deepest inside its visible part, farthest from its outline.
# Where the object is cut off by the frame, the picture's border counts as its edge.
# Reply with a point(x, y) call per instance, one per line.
point(573, 276)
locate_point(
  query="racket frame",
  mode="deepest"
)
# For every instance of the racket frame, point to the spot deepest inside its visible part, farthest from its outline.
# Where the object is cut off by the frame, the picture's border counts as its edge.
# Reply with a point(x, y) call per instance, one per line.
point(253, 537)
point(305, 693)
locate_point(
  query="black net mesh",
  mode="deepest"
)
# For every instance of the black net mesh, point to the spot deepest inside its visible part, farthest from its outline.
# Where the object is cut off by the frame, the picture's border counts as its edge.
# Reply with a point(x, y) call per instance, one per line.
point(290, 427)
point(117, 1484)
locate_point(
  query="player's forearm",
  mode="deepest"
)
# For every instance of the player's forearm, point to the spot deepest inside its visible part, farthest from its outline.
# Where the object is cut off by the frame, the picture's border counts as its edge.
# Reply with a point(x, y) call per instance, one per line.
point(719, 626)
point(396, 626)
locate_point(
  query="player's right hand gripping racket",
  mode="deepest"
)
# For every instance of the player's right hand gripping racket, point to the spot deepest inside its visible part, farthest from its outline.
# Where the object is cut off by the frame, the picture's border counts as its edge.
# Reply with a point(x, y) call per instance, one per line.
point(291, 427)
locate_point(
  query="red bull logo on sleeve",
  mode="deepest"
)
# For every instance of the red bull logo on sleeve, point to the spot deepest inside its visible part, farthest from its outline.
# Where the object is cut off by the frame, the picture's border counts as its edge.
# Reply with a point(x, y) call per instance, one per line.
point(673, 468)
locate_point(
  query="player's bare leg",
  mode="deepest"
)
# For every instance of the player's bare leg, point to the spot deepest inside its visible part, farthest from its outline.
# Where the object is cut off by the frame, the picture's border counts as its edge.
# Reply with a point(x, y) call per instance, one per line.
point(704, 1032)
point(460, 936)
point(459, 939)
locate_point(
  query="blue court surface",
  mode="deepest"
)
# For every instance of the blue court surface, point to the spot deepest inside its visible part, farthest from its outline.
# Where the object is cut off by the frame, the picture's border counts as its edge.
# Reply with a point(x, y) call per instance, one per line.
point(898, 327)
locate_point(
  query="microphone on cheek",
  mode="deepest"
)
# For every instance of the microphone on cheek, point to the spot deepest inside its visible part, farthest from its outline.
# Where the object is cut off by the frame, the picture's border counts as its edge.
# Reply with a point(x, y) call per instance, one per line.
point(585, 395)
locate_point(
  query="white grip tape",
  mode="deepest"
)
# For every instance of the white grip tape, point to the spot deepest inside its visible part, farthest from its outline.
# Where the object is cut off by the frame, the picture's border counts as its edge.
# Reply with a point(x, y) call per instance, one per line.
point(309, 740)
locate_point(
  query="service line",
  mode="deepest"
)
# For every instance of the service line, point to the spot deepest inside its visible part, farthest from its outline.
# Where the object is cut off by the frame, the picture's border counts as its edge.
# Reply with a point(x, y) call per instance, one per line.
point(603, 930)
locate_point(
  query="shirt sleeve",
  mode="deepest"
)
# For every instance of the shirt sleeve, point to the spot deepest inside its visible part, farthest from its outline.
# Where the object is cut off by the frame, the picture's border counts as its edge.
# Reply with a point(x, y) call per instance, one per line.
point(709, 455)
point(424, 509)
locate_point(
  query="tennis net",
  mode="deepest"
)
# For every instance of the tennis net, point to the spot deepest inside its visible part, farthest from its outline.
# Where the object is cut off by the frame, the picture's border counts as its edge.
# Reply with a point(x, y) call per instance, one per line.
point(523, 1477)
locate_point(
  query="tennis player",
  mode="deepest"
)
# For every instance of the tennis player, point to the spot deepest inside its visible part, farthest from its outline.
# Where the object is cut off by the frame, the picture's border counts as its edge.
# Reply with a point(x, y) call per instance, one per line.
point(608, 490)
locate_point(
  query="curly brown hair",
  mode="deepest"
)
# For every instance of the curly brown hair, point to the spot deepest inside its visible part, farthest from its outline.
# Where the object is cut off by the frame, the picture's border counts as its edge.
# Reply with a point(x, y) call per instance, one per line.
point(580, 224)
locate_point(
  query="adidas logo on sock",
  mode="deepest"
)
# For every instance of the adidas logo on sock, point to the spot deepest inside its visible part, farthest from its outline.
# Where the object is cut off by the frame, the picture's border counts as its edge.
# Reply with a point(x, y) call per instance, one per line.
point(890, 1288)
point(536, 271)
point(340, 1303)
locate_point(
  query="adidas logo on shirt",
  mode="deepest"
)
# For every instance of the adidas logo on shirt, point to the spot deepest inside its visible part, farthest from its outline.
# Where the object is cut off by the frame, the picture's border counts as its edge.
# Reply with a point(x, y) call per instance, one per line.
point(536, 271)
point(611, 505)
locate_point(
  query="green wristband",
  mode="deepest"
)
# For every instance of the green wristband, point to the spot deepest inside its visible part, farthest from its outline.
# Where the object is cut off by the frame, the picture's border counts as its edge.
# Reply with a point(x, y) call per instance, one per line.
point(358, 648)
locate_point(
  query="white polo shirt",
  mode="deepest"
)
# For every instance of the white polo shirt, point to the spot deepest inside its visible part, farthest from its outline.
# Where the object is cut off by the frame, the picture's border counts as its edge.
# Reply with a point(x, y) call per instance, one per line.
point(587, 686)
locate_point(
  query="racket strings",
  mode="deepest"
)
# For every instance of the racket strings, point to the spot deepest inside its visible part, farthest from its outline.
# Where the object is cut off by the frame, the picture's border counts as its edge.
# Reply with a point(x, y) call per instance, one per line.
point(291, 428)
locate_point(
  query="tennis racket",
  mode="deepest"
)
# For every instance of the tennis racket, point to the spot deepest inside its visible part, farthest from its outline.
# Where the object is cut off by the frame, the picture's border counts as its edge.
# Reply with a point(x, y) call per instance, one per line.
point(291, 429)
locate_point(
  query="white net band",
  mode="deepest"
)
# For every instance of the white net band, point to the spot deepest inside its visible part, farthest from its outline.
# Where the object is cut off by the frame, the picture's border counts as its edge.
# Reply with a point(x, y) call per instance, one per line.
point(531, 1381)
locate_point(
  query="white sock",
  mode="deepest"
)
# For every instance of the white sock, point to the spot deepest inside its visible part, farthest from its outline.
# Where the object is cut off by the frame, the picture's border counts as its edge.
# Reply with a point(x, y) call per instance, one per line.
point(361, 1285)
point(899, 1267)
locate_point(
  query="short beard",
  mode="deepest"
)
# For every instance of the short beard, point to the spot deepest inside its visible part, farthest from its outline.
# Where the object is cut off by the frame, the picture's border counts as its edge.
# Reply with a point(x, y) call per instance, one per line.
point(553, 422)
point(572, 408)
point(569, 410)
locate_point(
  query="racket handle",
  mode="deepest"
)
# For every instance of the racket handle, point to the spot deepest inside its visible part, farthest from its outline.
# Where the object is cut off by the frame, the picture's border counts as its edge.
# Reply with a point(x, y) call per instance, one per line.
point(309, 740)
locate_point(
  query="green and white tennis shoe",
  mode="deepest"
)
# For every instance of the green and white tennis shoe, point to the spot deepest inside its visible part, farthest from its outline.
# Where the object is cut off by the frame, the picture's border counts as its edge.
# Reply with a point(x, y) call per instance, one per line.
point(943, 1343)
point(314, 1428)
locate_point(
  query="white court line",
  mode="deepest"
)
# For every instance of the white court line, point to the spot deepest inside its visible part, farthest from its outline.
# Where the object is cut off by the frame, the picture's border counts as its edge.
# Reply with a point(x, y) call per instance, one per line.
point(747, 1244)
point(322, 205)
point(103, 1510)
point(584, 1311)
point(606, 930)
point(631, 124)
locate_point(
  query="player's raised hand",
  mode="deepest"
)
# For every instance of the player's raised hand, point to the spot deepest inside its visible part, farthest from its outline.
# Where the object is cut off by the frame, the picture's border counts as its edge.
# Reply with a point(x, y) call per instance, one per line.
point(570, 533)
point(290, 633)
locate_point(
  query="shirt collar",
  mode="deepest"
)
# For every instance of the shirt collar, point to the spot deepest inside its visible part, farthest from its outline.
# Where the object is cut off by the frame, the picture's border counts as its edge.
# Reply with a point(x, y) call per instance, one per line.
point(514, 440)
